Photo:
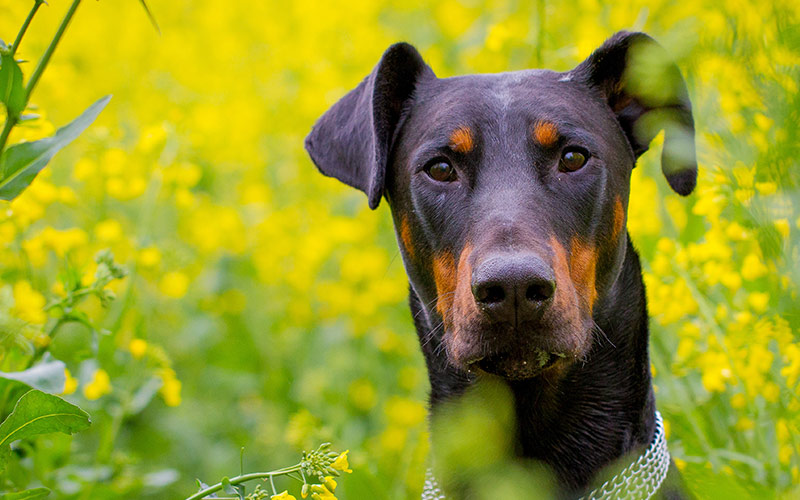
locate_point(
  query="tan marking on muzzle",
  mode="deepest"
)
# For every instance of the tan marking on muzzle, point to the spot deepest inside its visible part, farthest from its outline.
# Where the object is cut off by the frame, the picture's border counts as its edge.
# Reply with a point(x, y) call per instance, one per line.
point(545, 133)
point(405, 237)
point(561, 271)
point(619, 219)
point(583, 267)
point(565, 301)
point(465, 310)
point(461, 140)
point(444, 275)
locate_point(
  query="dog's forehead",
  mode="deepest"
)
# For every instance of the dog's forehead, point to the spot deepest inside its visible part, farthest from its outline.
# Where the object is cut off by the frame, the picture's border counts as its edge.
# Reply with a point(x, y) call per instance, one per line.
point(496, 98)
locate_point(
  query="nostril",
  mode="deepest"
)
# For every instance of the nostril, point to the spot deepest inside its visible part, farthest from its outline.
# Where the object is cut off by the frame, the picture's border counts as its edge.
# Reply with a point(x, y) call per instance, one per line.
point(539, 292)
point(491, 294)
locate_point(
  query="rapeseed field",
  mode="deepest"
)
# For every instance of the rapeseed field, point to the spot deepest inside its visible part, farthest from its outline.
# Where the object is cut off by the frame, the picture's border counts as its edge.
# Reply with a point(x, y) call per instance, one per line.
point(201, 288)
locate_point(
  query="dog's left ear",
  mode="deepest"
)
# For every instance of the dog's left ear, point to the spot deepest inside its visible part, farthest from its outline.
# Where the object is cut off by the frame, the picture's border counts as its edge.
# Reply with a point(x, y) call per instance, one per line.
point(352, 140)
point(647, 93)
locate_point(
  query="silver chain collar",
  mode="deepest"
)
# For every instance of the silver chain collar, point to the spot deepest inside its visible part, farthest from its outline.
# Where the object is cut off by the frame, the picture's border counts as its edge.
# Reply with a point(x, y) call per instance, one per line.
point(639, 480)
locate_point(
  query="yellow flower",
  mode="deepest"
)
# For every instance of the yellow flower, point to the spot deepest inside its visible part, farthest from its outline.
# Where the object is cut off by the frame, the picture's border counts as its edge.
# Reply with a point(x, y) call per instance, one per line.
point(766, 188)
point(174, 284)
point(70, 384)
point(405, 412)
point(284, 495)
point(320, 492)
point(745, 424)
point(759, 301)
point(108, 231)
point(171, 388)
point(785, 453)
point(28, 303)
point(138, 348)
point(782, 225)
point(330, 483)
point(149, 257)
point(341, 463)
point(99, 386)
point(753, 267)
point(362, 394)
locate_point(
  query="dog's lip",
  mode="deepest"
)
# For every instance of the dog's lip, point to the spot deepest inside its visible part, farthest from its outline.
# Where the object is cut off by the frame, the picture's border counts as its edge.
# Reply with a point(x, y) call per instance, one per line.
point(515, 368)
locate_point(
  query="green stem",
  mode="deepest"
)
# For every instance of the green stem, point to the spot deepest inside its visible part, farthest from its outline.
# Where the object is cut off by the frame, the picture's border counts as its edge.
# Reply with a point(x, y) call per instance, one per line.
point(24, 28)
point(37, 73)
point(244, 478)
point(11, 120)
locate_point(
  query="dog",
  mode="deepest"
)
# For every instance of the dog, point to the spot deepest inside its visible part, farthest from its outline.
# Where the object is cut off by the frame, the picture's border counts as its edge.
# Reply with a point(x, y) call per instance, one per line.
point(509, 196)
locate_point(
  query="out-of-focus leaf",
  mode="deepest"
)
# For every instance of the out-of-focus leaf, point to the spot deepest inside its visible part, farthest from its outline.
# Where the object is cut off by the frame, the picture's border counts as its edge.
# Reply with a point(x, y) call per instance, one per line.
point(37, 413)
point(12, 91)
point(73, 342)
point(20, 163)
point(142, 397)
point(161, 478)
point(47, 376)
point(30, 494)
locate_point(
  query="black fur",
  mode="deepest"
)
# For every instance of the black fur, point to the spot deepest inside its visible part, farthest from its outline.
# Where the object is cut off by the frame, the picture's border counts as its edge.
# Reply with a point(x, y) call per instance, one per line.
point(511, 196)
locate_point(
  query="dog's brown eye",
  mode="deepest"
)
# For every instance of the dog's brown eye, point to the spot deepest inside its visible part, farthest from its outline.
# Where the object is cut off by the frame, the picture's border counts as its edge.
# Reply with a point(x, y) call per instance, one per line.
point(573, 159)
point(441, 171)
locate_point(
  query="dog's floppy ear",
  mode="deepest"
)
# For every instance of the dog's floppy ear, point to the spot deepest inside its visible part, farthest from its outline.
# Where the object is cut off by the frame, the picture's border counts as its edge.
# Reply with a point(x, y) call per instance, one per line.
point(647, 93)
point(352, 140)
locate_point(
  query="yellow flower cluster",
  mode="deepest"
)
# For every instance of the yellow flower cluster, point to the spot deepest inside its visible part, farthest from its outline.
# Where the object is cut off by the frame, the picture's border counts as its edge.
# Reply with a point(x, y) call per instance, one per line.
point(99, 386)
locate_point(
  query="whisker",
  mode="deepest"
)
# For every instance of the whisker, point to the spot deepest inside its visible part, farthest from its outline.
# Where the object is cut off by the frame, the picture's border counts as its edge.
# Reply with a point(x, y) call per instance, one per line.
point(598, 329)
point(436, 299)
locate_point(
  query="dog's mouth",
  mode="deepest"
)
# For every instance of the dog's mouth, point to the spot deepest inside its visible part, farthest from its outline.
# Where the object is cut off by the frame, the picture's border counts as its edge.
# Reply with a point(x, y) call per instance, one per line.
point(517, 368)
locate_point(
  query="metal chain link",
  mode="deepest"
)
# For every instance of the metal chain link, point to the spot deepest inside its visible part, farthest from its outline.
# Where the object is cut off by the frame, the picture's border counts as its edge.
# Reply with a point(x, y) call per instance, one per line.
point(640, 480)
point(431, 490)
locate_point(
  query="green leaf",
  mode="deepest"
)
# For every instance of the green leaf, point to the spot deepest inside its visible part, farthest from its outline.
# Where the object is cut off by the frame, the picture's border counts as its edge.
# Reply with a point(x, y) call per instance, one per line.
point(47, 376)
point(30, 494)
point(20, 163)
point(12, 91)
point(233, 489)
point(39, 413)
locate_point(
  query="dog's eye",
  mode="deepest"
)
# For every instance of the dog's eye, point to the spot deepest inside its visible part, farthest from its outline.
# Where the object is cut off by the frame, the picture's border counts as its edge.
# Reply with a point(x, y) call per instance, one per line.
point(441, 171)
point(574, 158)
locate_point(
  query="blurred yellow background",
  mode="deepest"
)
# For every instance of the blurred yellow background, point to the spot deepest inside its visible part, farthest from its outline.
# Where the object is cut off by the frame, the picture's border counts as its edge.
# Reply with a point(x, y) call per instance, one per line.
point(266, 303)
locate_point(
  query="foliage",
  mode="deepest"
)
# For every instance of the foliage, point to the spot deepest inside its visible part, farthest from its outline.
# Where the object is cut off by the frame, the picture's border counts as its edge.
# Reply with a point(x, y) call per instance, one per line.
point(264, 305)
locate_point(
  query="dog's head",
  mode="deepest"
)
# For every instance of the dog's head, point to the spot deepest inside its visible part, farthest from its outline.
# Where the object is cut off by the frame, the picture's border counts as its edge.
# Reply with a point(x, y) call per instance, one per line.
point(509, 191)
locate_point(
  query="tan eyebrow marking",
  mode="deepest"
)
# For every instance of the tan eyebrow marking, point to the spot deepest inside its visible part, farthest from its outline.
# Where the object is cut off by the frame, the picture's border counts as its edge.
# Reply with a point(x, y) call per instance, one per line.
point(545, 133)
point(461, 140)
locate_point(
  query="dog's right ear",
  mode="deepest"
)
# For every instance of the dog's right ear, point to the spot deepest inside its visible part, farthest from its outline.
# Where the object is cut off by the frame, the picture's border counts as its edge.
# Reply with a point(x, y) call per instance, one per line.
point(352, 140)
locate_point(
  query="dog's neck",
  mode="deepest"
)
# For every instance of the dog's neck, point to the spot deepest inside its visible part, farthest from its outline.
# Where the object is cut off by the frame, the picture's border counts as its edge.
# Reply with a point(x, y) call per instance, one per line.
point(598, 411)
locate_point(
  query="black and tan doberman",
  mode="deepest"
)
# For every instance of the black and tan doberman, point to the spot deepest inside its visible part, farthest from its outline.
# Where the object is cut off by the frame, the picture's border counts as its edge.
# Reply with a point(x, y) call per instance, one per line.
point(509, 194)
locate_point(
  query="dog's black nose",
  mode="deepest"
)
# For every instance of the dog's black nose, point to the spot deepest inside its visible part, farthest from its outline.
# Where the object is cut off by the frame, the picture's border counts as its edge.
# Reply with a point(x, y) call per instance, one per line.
point(513, 288)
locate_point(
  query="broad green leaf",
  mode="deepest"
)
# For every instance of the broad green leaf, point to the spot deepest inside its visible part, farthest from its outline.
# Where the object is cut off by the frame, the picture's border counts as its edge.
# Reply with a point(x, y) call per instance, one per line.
point(12, 91)
point(20, 163)
point(47, 376)
point(39, 413)
point(30, 494)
